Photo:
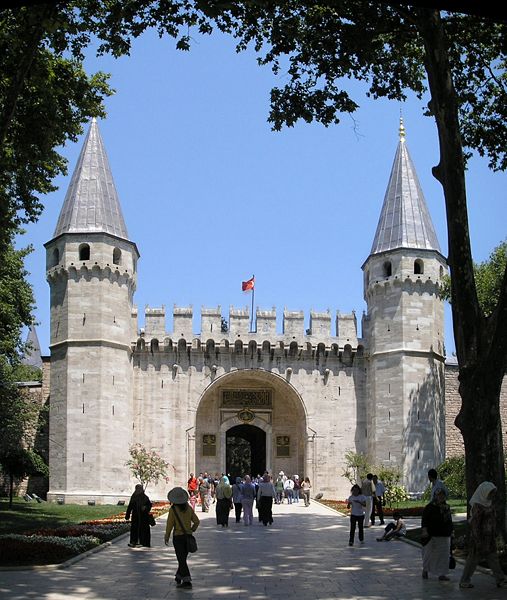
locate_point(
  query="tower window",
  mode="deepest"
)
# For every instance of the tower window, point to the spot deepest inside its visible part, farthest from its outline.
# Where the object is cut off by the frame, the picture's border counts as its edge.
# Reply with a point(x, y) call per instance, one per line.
point(84, 252)
point(418, 267)
point(116, 256)
point(55, 258)
point(387, 268)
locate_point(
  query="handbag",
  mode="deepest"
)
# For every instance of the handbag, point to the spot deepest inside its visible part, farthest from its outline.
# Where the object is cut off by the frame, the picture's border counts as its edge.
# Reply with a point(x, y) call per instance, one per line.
point(191, 541)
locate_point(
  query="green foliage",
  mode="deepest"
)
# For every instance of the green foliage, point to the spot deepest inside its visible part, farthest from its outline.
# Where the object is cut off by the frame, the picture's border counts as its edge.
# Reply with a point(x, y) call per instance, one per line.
point(22, 372)
point(489, 276)
point(38, 549)
point(16, 302)
point(452, 473)
point(19, 415)
point(391, 477)
point(488, 279)
point(147, 466)
point(357, 466)
point(31, 515)
point(319, 46)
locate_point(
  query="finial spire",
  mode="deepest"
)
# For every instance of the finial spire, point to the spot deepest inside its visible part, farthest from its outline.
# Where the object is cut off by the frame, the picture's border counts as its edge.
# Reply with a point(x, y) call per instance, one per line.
point(402, 128)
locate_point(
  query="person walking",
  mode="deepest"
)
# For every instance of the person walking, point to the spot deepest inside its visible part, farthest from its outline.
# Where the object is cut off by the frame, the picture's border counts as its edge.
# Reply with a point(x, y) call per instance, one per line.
point(436, 531)
point(482, 539)
point(204, 492)
point(265, 495)
point(297, 487)
point(247, 500)
point(236, 499)
point(181, 520)
point(139, 509)
point(436, 484)
point(288, 489)
point(279, 489)
point(357, 503)
point(192, 488)
point(368, 489)
point(378, 502)
point(223, 495)
point(305, 488)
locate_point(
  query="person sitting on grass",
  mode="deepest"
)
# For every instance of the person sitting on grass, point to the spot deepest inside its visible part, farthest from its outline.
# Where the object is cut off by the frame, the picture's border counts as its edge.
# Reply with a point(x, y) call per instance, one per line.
point(396, 529)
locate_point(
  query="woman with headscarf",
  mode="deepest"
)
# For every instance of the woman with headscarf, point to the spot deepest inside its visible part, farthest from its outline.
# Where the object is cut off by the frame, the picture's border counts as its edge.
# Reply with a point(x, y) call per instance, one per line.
point(265, 495)
point(436, 531)
point(183, 521)
point(482, 538)
point(139, 507)
point(223, 495)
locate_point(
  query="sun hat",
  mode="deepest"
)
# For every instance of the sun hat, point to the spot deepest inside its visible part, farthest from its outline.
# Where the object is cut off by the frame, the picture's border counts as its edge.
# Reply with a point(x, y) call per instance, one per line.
point(178, 495)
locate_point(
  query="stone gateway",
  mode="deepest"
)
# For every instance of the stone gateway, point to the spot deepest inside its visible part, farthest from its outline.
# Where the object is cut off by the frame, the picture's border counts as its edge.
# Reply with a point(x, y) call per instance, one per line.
point(230, 399)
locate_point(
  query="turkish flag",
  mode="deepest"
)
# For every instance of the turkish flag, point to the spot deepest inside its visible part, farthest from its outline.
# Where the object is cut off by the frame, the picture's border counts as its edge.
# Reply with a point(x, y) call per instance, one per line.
point(248, 285)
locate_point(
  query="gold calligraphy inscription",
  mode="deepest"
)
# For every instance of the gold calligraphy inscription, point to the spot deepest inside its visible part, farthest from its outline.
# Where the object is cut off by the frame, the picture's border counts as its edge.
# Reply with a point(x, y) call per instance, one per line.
point(246, 398)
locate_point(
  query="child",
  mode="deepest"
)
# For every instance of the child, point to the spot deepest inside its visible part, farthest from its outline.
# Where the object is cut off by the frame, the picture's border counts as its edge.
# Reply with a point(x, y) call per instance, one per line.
point(396, 529)
point(356, 503)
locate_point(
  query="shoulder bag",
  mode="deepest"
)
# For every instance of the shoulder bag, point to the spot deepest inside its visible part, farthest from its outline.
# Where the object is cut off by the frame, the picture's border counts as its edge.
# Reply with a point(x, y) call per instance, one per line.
point(191, 541)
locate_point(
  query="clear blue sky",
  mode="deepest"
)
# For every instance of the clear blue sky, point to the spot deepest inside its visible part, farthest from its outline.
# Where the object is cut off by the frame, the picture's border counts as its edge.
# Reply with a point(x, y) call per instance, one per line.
point(211, 195)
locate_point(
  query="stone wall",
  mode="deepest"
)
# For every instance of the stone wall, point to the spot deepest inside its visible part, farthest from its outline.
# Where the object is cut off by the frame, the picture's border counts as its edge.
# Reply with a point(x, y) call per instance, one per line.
point(454, 441)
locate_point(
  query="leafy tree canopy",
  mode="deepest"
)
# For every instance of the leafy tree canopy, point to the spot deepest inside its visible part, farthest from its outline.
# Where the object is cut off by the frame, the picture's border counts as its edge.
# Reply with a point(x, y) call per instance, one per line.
point(489, 275)
point(16, 302)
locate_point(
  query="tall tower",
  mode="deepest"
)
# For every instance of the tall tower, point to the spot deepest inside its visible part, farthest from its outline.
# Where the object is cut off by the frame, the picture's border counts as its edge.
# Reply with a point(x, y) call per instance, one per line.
point(405, 328)
point(91, 270)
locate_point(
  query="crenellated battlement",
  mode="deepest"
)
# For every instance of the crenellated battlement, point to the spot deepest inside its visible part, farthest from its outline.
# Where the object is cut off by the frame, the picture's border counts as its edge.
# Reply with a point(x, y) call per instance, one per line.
point(338, 330)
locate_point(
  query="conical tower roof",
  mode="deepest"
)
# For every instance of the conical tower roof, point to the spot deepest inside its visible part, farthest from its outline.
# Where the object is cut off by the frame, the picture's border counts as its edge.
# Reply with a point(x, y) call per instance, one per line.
point(92, 203)
point(32, 356)
point(405, 220)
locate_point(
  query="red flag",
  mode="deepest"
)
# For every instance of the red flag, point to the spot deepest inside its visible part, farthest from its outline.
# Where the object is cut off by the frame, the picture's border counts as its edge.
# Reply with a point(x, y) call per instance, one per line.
point(248, 285)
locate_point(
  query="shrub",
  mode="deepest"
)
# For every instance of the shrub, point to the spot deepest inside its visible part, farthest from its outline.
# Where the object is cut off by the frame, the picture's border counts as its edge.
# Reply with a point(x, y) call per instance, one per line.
point(452, 473)
point(15, 548)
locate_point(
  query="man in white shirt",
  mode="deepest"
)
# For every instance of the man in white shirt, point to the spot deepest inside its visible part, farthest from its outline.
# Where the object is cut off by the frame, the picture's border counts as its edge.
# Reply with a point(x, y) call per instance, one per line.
point(288, 488)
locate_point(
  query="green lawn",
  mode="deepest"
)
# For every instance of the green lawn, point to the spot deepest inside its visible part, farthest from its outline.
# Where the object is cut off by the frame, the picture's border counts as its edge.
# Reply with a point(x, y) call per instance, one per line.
point(457, 506)
point(25, 516)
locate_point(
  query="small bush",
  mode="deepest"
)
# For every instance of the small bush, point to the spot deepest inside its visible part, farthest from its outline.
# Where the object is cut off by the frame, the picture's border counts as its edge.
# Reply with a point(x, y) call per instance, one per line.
point(35, 549)
point(452, 473)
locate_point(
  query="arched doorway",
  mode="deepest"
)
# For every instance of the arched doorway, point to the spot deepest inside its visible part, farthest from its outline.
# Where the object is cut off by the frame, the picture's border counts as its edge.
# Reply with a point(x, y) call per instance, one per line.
point(251, 420)
point(245, 451)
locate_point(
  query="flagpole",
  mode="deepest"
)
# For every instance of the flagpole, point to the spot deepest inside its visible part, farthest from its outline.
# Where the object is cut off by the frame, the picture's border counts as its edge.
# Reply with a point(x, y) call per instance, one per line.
point(252, 317)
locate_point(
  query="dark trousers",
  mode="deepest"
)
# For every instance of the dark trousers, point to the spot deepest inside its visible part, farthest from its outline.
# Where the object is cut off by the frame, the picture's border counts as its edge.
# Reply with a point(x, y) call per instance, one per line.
point(360, 523)
point(265, 509)
point(238, 507)
point(180, 547)
point(378, 510)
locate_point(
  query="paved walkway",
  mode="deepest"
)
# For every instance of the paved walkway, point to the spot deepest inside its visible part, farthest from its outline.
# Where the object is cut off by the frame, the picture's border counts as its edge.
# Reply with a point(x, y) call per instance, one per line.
point(304, 555)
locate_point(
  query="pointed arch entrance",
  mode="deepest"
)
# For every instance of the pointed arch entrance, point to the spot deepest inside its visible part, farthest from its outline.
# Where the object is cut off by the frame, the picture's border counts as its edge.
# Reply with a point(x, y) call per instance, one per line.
point(249, 421)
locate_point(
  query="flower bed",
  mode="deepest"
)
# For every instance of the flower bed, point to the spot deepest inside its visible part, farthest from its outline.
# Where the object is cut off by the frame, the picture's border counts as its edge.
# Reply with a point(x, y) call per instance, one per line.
point(16, 549)
point(55, 545)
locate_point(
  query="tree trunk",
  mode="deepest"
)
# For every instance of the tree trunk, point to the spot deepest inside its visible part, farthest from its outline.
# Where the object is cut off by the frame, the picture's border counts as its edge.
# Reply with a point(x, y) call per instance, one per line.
point(481, 363)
